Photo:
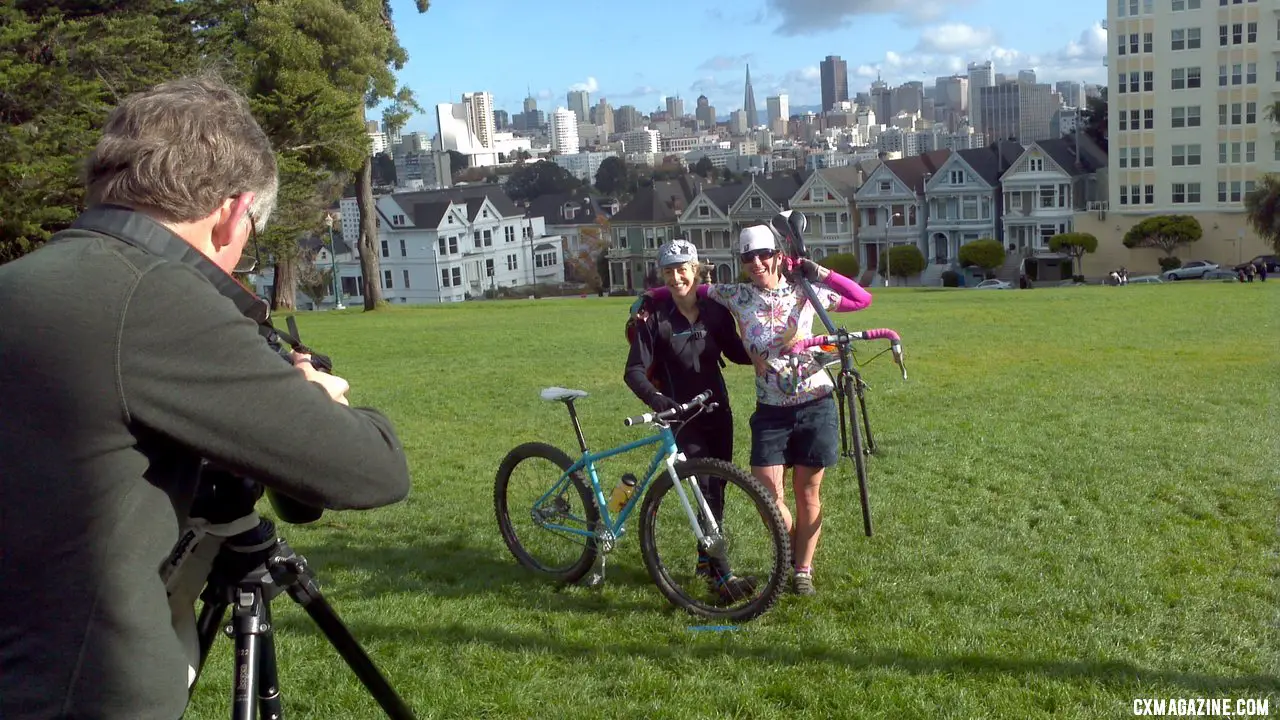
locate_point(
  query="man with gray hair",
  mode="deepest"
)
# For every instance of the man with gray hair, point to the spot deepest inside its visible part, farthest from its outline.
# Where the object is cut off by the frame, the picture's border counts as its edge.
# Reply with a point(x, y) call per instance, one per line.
point(127, 357)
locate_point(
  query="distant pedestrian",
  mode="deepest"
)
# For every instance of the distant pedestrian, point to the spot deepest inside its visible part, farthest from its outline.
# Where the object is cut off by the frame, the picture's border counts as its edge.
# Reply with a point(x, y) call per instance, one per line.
point(1262, 271)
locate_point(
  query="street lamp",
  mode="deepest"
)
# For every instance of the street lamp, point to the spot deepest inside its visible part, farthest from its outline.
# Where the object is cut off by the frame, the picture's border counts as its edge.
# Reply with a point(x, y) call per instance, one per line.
point(888, 247)
point(333, 260)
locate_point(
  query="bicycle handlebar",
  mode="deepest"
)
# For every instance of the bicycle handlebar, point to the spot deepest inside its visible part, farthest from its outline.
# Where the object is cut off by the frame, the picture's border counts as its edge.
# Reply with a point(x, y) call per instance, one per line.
point(700, 400)
point(844, 337)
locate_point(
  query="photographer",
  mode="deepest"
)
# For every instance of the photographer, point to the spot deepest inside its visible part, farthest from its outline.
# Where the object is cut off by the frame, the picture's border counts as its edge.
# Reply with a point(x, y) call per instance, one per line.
point(126, 357)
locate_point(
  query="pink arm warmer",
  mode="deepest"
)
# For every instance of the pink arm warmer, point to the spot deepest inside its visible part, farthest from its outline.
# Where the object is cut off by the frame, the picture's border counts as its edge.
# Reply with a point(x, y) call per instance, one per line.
point(852, 296)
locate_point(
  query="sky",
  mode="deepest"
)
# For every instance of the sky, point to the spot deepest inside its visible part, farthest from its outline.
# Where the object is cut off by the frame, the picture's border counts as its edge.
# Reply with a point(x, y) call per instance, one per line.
point(638, 52)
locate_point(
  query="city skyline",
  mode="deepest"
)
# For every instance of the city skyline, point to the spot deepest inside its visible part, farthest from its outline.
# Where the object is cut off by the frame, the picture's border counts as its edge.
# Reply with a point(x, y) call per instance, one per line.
point(784, 40)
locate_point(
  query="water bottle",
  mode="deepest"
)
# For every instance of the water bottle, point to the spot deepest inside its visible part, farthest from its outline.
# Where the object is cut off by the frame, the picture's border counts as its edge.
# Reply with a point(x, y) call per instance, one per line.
point(621, 493)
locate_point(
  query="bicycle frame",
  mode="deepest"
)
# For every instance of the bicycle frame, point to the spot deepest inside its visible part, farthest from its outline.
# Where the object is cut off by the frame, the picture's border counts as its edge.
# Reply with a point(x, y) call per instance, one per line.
point(665, 457)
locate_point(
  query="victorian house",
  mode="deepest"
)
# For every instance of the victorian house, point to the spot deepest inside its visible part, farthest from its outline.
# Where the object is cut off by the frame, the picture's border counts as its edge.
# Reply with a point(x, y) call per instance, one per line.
point(964, 200)
point(826, 199)
point(641, 226)
point(1046, 186)
point(891, 205)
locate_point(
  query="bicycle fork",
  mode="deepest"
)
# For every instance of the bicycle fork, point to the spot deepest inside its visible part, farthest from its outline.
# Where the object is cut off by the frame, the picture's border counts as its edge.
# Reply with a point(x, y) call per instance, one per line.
point(710, 541)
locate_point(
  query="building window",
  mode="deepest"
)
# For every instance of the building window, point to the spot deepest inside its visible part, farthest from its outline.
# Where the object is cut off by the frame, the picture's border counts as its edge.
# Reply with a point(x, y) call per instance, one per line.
point(1185, 155)
point(405, 275)
point(385, 251)
point(403, 250)
point(1150, 194)
point(1251, 74)
point(457, 277)
point(509, 234)
point(488, 267)
point(444, 277)
point(1148, 81)
point(513, 262)
point(1149, 119)
point(1251, 32)
point(386, 280)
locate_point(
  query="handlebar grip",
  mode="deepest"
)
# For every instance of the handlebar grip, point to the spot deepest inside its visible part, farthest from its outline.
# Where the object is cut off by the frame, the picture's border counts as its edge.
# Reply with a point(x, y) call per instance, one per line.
point(881, 334)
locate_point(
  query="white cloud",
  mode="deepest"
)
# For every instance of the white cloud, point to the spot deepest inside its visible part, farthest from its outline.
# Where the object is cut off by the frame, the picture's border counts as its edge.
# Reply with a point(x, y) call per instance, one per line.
point(955, 37)
point(590, 85)
point(802, 17)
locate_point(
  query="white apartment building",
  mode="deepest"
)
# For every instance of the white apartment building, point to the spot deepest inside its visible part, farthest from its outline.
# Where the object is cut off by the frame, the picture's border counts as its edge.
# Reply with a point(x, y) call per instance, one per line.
point(564, 131)
point(644, 140)
point(1190, 81)
point(583, 165)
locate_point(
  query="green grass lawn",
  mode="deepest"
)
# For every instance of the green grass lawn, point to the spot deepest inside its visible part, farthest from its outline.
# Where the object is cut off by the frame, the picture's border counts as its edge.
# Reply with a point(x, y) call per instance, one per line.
point(1075, 503)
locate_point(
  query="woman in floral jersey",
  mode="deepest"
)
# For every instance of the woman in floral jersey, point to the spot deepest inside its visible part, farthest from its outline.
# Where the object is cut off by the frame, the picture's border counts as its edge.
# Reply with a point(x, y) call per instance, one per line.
point(796, 422)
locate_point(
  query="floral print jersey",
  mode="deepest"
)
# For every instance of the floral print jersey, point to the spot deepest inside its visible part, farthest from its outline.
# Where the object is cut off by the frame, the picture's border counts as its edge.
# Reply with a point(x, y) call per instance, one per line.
point(769, 321)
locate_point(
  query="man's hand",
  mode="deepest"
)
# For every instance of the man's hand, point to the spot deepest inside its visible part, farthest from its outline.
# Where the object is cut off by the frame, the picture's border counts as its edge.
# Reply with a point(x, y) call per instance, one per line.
point(334, 385)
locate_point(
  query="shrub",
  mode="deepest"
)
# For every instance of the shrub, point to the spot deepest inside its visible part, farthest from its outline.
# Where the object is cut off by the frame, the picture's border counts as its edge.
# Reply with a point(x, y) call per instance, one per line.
point(1170, 263)
point(844, 263)
point(950, 278)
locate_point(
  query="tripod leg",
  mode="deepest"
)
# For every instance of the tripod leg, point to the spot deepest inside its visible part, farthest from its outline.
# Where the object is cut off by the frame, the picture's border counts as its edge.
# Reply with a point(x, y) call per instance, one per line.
point(291, 572)
point(248, 623)
point(207, 627)
point(268, 677)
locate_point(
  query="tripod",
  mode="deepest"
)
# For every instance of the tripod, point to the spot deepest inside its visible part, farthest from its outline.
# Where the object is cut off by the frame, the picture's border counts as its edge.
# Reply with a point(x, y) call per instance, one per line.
point(250, 570)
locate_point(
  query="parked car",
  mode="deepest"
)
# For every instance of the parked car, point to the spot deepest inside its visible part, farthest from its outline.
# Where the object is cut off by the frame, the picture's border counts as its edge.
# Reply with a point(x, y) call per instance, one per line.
point(1144, 279)
point(992, 284)
point(1220, 274)
point(1192, 269)
point(1273, 263)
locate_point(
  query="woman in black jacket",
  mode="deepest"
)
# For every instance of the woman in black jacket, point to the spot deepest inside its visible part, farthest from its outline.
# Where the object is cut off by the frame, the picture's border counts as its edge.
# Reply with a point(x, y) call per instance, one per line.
point(676, 351)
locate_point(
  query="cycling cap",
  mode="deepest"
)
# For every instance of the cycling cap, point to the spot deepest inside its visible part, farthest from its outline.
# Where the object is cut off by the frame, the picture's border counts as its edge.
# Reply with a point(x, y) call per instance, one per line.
point(757, 237)
point(677, 252)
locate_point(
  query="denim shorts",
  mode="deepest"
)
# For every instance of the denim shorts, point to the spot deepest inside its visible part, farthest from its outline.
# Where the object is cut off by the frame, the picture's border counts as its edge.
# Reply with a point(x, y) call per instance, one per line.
point(807, 434)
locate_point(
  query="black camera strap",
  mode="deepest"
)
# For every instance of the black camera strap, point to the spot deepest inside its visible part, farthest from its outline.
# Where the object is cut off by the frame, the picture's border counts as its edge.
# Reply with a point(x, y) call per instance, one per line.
point(134, 228)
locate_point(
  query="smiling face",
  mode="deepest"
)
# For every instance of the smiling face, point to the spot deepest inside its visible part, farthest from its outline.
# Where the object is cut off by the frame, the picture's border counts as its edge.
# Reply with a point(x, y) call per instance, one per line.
point(762, 266)
point(681, 279)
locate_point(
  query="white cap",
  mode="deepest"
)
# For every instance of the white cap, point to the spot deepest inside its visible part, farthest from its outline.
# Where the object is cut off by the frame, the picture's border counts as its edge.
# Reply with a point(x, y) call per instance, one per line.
point(757, 237)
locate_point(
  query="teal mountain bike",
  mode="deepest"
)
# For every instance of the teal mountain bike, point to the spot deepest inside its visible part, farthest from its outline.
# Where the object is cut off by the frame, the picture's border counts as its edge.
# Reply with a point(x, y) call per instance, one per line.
point(711, 536)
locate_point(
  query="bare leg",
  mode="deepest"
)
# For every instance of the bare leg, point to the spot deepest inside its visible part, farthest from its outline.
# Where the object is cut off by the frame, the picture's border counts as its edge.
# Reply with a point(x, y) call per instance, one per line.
point(771, 476)
point(807, 483)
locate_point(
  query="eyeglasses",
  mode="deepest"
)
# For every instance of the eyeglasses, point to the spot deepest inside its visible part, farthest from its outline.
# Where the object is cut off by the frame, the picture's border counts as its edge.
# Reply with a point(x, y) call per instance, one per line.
point(247, 263)
point(761, 255)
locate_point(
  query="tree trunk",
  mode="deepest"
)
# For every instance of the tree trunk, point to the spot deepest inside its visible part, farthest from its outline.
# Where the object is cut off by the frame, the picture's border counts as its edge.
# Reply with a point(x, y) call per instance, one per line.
point(284, 285)
point(370, 266)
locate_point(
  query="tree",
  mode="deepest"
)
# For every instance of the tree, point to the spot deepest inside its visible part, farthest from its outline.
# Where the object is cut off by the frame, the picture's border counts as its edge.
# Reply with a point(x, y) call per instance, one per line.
point(985, 253)
point(586, 264)
point(611, 177)
point(844, 263)
point(372, 73)
point(1094, 119)
point(704, 167)
point(63, 68)
point(315, 281)
point(458, 163)
point(904, 261)
point(1166, 232)
point(1262, 209)
point(541, 178)
point(1075, 244)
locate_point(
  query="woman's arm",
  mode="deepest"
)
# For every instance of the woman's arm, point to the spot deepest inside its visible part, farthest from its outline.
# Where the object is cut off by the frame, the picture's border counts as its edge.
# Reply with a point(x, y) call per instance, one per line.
point(642, 355)
point(851, 295)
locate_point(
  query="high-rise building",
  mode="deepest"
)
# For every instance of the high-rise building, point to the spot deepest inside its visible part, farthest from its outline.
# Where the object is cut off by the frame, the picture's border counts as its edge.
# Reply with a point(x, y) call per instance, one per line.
point(480, 115)
point(835, 81)
point(1189, 84)
point(779, 107)
point(579, 102)
point(564, 131)
point(705, 113)
point(980, 76)
point(1071, 93)
point(675, 107)
point(749, 103)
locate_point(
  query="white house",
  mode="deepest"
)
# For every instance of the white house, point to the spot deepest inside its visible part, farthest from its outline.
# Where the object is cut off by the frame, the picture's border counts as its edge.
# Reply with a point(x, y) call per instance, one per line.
point(447, 245)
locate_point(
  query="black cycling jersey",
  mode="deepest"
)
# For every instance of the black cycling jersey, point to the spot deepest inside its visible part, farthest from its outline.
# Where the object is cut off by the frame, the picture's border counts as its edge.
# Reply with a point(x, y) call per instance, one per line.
point(685, 357)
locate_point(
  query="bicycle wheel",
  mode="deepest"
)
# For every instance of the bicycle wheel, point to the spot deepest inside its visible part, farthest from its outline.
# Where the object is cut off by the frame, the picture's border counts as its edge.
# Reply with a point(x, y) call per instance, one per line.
point(752, 544)
point(856, 452)
point(527, 473)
